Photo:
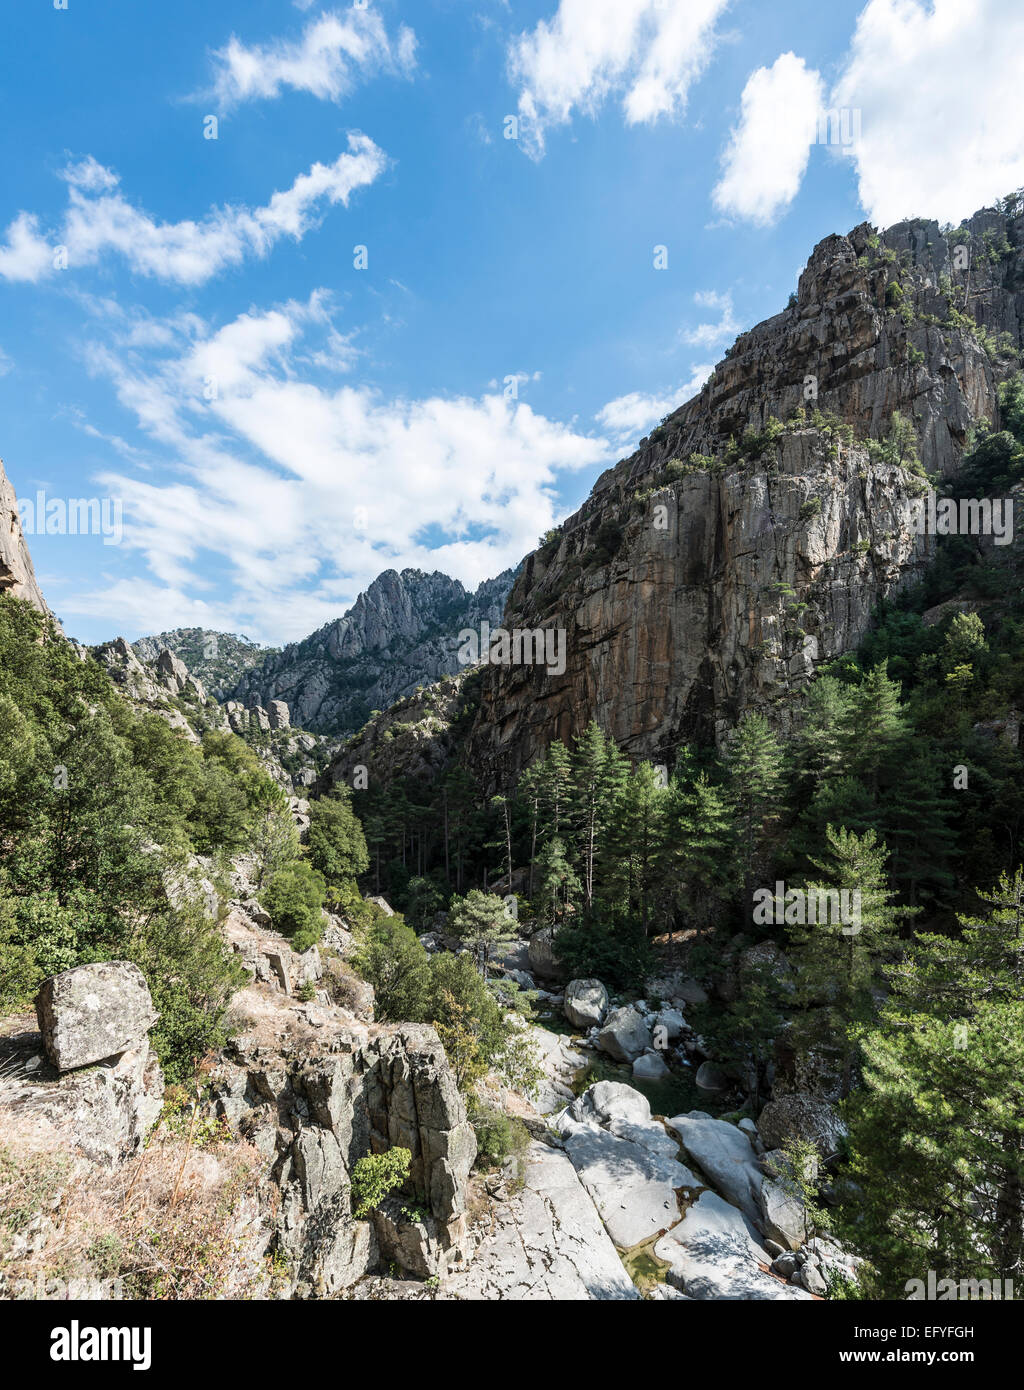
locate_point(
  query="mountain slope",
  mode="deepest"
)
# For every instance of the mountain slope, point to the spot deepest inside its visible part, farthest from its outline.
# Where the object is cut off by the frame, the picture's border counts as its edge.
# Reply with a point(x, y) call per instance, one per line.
point(401, 633)
point(218, 659)
point(713, 570)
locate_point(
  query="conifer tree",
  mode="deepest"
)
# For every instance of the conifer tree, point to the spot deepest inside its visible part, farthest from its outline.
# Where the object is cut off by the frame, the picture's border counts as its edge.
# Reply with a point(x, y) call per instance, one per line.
point(700, 848)
point(873, 723)
point(633, 858)
point(937, 1133)
point(482, 920)
point(839, 962)
point(754, 762)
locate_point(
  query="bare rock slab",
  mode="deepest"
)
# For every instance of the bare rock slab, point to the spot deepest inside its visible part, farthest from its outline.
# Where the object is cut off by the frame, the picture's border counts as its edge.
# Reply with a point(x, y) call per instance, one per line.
point(548, 1244)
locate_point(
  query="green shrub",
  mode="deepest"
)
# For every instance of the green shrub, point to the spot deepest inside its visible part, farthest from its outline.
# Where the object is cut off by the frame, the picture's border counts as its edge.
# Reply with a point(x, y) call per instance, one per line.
point(374, 1176)
point(295, 900)
point(499, 1137)
point(337, 847)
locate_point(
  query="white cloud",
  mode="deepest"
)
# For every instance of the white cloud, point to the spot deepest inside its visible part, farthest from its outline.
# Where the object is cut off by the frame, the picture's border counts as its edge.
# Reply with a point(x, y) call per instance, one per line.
point(271, 475)
point(6, 365)
point(645, 52)
point(939, 91)
point(100, 220)
point(334, 51)
point(709, 335)
point(769, 148)
point(628, 417)
point(27, 255)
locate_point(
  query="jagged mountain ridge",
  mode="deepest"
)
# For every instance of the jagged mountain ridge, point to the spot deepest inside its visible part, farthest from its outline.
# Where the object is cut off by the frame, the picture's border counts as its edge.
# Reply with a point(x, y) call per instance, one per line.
point(401, 633)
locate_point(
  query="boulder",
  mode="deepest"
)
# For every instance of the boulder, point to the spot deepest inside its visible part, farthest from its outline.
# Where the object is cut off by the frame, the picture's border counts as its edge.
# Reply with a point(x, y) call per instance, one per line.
point(559, 1062)
point(625, 1035)
point(766, 959)
point(711, 1077)
point(671, 1021)
point(723, 1154)
point(94, 1012)
point(784, 1216)
point(543, 960)
point(650, 1067)
point(624, 1112)
point(634, 1187)
point(277, 713)
point(804, 1117)
point(810, 1278)
point(586, 1002)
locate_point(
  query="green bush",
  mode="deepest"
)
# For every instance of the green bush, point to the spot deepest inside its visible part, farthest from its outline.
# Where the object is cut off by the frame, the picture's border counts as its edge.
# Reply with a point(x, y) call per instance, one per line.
point(374, 1176)
point(295, 900)
point(337, 848)
point(499, 1137)
point(191, 974)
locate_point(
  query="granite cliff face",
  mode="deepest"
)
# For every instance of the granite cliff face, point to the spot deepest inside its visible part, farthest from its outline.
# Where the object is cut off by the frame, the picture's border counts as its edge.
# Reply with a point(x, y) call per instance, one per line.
point(16, 573)
point(714, 569)
point(401, 633)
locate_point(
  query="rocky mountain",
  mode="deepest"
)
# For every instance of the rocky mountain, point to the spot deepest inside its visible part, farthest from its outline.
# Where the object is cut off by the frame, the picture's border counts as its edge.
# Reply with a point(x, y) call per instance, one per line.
point(218, 659)
point(401, 633)
point(16, 573)
point(164, 685)
point(750, 537)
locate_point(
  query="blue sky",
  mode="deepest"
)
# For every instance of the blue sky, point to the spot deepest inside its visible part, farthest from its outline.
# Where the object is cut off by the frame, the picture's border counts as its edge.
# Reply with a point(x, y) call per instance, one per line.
point(184, 329)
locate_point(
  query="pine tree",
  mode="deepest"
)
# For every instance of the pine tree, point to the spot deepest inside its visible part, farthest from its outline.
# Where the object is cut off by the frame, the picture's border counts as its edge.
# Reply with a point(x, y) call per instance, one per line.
point(873, 723)
point(633, 857)
point(937, 1133)
point(558, 886)
point(556, 787)
point(839, 962)
point(700, 849)
point(917, 812)
point(598, 770)
point(754, 762)
point(530, 794)
point(819, 752)
point(482, 920)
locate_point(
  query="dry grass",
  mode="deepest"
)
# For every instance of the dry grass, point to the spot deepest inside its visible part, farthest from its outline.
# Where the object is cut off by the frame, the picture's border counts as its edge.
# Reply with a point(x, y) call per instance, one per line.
point(181, 1220)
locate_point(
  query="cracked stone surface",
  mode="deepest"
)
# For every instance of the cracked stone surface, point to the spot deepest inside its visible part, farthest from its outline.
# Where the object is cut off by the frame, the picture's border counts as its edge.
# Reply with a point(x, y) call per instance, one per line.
point(548, 1243)
point(713, 1253)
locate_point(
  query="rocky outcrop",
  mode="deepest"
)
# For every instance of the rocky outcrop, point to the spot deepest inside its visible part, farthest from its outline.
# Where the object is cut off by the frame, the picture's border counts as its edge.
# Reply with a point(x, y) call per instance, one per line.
point(162, 684)
point(87, 1082)
point(547, 1243)
point(17, 576)
point(218, 659)
point(716, 568)
point(401, 633)
point(314, 1090)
